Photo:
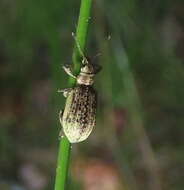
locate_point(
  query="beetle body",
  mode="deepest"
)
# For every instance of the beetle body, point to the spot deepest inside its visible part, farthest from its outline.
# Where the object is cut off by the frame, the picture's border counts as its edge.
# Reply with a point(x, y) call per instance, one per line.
point(79, 115)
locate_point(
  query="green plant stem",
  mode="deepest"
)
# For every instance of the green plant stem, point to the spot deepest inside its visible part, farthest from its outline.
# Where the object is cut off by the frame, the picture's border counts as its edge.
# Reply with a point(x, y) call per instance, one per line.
point(63, 163)
point(64, 146)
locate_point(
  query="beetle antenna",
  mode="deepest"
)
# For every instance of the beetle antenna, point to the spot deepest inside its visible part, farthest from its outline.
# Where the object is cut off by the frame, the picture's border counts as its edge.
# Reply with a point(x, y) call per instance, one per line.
point(97, 55)
point(84, 61)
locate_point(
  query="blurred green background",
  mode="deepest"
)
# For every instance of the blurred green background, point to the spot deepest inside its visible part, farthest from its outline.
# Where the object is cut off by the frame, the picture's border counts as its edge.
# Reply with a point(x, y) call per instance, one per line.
point(138, 141)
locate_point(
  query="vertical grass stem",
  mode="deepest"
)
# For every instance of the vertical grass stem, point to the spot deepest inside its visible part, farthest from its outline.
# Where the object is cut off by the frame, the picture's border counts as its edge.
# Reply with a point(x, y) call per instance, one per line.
point(65, 146)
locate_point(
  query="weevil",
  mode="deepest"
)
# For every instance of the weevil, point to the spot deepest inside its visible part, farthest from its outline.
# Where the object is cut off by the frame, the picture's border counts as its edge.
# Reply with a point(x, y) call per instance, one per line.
point(79, 115)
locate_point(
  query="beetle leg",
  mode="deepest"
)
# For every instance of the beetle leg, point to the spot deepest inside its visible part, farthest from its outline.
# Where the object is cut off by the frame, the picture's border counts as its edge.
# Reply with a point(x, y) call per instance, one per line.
point(65, 91)
point(61, 116)
point(67, 69)
point(61, 133)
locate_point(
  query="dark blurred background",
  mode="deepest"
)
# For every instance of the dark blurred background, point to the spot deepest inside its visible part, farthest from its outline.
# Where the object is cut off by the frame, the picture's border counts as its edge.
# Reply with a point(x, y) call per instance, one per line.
point(138, 141)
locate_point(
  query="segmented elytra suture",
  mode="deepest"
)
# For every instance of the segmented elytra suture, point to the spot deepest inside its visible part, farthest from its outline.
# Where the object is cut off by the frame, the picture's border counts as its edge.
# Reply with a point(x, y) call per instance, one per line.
point(79, 115)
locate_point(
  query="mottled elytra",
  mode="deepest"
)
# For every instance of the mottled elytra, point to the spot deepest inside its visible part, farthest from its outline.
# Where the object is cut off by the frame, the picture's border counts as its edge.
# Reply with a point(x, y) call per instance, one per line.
point(79, 115)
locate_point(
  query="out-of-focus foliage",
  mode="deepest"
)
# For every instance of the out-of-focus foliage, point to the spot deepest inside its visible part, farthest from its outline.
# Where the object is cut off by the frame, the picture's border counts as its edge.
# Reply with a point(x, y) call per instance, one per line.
point(137, 143)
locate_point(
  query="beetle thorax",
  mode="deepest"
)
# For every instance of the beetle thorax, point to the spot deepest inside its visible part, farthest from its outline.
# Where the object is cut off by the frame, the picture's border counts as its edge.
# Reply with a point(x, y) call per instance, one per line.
point(85, 79)
point(86, 75)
